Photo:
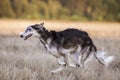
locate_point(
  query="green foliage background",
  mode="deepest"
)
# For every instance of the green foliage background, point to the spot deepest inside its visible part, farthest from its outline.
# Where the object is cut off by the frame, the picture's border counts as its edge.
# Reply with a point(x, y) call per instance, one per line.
point(84, 10)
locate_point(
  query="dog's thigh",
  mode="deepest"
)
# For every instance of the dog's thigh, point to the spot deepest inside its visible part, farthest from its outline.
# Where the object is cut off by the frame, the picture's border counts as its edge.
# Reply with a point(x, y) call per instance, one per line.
point(89, 58)
point(76, 58)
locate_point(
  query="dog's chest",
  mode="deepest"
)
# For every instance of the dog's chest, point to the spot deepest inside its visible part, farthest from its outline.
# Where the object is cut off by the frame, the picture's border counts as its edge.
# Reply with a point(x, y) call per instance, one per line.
point(53, 50)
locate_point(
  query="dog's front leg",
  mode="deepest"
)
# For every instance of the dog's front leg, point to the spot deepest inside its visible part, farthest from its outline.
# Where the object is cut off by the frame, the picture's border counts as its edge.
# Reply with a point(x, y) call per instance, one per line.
point(59, 69)
point(61, 60)
point(62, 64)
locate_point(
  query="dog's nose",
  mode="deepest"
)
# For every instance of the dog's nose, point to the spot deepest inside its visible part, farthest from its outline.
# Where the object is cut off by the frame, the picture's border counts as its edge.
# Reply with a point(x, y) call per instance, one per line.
point(21, 36)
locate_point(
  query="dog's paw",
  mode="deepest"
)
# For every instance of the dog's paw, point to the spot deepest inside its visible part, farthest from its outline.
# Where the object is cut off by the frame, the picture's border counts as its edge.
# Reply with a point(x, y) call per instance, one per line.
point(72, 65)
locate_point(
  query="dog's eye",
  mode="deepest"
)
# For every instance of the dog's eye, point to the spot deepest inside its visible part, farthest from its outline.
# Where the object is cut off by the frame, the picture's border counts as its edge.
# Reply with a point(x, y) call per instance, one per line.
point(29, 29)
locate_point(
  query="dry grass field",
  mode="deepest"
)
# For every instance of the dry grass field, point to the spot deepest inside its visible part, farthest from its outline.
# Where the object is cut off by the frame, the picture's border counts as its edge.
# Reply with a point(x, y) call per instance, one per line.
point(28, 60)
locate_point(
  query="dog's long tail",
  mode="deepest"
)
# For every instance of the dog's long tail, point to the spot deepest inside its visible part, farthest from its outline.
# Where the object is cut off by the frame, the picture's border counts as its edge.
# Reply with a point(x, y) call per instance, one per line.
point(100, 56)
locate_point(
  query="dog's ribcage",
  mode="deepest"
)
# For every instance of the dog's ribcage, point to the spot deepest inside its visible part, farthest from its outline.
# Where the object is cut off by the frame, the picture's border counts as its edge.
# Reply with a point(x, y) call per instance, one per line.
point(51, 48)
point(56, 50)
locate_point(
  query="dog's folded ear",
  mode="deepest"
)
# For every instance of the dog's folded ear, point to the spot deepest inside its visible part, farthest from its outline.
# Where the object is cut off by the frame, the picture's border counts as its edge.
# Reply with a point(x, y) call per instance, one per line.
point(41, 26)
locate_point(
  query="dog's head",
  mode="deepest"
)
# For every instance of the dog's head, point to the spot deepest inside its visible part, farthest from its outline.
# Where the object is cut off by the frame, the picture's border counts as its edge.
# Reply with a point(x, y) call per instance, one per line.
point(33, 30)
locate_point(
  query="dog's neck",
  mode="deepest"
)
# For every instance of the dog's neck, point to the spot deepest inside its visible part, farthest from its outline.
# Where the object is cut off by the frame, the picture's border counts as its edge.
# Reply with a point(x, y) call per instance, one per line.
point(46, 36)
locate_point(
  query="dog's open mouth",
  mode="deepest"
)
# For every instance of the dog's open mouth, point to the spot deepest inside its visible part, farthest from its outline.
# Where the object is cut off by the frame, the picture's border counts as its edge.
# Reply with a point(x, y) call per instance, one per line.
point(27, 37)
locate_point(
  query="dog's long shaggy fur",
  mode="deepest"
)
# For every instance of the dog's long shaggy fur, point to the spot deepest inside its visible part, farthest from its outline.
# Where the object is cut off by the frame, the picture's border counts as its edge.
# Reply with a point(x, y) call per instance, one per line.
point(65, 43)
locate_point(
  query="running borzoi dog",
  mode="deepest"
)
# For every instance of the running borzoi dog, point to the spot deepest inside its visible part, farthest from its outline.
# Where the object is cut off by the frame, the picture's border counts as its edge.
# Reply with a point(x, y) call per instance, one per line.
point(65, 43)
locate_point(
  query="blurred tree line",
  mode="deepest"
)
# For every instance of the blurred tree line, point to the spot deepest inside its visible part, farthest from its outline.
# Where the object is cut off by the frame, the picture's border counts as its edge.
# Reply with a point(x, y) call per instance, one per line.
point(100, 10)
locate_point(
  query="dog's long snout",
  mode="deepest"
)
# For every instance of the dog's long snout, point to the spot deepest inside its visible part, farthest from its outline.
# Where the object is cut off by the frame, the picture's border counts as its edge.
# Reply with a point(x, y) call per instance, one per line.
point(21, 34)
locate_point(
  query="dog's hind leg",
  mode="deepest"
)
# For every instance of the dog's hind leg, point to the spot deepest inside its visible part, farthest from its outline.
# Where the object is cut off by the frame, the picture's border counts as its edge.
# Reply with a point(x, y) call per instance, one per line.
point(88, 58)
point(84, 54)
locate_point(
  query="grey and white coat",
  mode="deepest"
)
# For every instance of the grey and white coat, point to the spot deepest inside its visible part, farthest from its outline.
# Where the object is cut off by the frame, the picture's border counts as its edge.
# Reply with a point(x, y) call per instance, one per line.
point(67, 43)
